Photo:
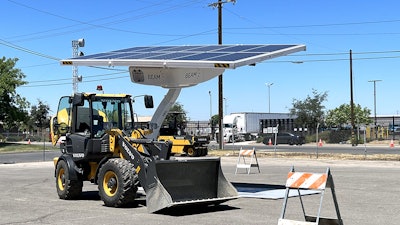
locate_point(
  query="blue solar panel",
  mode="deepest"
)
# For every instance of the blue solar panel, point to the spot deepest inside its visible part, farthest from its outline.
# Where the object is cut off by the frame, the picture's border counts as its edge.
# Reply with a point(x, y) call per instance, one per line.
point(186, 48)
point(140, 55)
point(188, 52)
point(207, 55)
point(200, 56)
point(176, 55)
point(270, 48)
point(238, 48)
point(233, 57)
point(130, 49)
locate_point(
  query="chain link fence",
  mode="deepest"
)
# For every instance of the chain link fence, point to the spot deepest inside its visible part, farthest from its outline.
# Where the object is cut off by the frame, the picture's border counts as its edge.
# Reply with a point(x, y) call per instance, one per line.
point(41, 136)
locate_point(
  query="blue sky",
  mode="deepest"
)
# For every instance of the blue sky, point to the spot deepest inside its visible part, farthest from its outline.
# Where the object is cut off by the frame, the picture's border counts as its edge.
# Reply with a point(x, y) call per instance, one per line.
point(38, 32)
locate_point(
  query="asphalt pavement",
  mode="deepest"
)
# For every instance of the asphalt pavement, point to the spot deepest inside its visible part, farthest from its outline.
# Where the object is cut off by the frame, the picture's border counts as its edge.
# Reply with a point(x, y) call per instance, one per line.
point(24, 157)
point(367, 193)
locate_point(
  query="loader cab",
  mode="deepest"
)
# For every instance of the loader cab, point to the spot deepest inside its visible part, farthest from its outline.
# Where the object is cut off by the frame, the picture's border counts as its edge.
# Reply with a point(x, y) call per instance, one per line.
point(174, 124)
point(83, 120)
point(110, 113)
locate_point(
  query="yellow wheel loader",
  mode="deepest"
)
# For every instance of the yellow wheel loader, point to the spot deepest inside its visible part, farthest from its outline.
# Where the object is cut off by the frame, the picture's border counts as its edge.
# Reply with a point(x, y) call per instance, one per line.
point(108, 151)
point(99, 144)
point(182, 143)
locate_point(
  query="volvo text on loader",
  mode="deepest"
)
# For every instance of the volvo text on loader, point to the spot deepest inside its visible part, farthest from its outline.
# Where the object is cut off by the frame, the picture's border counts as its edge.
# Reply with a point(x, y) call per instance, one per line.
point(99, 144)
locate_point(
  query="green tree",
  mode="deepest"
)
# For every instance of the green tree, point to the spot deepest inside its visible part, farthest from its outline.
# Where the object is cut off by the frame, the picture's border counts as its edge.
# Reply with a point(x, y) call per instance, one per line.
point(13, 107)
point(176, 115)
point(215, 120)
point(39, 116)
point(340, 116)
point(310, 111)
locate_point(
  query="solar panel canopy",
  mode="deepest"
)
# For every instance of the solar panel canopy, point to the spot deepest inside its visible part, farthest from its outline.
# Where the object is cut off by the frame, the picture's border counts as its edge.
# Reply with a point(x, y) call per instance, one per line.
point(195, 56)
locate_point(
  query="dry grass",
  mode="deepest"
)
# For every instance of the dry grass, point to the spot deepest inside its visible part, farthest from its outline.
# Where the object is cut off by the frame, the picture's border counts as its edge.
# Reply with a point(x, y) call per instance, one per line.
point(23, 147)
point(300, 155)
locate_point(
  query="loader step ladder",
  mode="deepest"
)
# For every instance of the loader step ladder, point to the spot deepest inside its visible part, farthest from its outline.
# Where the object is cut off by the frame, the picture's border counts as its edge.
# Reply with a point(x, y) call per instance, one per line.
point(310, 181)
point(250, 155)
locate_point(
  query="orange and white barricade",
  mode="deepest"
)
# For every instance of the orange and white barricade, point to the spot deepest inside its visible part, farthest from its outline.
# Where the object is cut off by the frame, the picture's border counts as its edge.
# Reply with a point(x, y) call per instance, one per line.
point(252, 160)
point(310, 181)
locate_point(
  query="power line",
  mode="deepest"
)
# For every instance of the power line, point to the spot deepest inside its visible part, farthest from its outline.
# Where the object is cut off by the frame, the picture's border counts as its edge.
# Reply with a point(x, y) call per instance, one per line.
point(306, 25)
point(256, 23)
point(318, 34)
point(69, 83)
point(331, 60)
point(346, 53)
point(208, 32)
point(90, 76)
point(319, 25)
point(295, 36)
point(182, 36)
point(17, 47)
point(103, 25)
point(37, 65)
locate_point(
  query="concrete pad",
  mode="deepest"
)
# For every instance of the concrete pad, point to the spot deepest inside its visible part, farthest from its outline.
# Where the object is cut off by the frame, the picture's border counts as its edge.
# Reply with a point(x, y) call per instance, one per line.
point(266, 191)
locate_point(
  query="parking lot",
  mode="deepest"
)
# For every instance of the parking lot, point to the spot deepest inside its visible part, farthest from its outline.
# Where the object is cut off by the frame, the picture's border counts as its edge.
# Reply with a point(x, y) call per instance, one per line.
point(367, 193)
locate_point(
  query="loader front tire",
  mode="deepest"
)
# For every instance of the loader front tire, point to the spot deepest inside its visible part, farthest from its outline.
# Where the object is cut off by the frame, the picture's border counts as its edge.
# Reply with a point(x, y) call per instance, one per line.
point(118, 183)
point(67, 189)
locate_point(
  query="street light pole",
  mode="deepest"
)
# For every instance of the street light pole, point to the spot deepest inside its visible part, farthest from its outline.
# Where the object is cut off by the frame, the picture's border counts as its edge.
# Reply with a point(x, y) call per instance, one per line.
point(269, 96)
point(374, 81)
point(209, 92)
point(226, 105)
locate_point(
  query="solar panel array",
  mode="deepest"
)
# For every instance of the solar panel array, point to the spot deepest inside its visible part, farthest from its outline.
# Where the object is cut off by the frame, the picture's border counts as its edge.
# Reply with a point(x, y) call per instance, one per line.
point(191, 53)
point(194, 53)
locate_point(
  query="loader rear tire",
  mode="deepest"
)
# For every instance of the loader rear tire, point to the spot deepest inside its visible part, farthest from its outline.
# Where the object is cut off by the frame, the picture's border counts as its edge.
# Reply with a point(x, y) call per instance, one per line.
point(192, 152)
point(67, 189)
point(118, 183)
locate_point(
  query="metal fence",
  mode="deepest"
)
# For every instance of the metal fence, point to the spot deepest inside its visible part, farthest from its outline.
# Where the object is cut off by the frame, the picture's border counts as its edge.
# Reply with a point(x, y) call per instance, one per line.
point(23, 136)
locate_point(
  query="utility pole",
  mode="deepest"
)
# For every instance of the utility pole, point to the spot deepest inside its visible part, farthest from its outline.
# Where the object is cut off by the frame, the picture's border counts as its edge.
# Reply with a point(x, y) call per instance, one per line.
point(376, 131)
point(219, 5)
point(353, 140)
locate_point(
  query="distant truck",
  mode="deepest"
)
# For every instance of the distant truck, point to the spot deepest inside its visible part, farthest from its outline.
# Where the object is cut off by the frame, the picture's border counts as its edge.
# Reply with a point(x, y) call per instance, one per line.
point(245, 126)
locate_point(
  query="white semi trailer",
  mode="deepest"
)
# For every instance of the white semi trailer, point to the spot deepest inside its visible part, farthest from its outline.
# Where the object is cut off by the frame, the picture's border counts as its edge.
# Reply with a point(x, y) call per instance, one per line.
point(245, 126)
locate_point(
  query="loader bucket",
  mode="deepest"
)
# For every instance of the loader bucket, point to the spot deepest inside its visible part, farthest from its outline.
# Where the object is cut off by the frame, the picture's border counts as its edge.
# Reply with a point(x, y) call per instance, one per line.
point(189, 181)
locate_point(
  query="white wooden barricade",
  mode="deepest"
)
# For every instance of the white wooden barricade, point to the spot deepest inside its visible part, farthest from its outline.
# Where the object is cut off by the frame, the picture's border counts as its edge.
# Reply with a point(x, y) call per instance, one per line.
point(251, 156)
point(310, 181)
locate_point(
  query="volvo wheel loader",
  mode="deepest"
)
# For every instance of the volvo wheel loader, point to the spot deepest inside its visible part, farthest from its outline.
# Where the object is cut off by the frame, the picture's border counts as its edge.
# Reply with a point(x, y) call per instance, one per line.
point(99, 144)
point(173, 130)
